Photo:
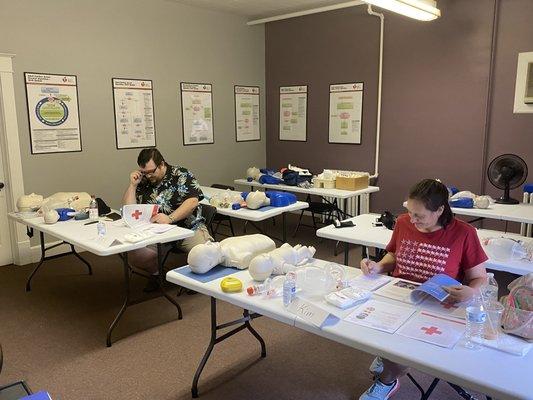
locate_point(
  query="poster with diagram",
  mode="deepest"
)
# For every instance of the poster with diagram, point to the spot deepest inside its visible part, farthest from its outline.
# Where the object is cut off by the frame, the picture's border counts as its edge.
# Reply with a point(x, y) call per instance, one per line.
point(247, 124)
point(293, 113)
point(53, 113)
point(345, 112)
point(197, 113)
point(134, 113)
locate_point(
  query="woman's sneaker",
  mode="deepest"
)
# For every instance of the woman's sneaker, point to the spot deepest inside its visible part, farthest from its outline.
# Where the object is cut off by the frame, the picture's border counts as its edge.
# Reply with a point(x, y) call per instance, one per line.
point(380, 391)
point(376, 368)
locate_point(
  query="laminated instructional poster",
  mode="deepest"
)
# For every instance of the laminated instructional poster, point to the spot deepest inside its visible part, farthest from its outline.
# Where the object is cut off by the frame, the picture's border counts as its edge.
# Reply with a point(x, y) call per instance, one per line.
point(134, 113)
point(293, 113)
point(197, 113)
point(53, 113)
point(247, 125)
point(345, 112)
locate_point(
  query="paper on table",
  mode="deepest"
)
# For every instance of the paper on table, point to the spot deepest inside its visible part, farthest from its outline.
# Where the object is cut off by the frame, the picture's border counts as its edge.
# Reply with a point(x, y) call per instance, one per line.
point(308, 311)
point(508, 344)
point(379, 315)
point(157, 228)
point(456, 310)
point(369, 282)
point(399, 289)
point(435, 329)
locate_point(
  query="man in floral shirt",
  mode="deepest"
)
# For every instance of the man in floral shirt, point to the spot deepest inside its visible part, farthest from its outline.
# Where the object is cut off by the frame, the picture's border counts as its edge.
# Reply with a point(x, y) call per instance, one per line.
point(177, 192)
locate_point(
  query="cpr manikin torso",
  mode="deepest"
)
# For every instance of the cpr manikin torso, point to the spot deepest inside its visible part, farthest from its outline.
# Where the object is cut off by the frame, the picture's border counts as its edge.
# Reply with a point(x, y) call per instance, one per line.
point(231, 252)
point(280, 261)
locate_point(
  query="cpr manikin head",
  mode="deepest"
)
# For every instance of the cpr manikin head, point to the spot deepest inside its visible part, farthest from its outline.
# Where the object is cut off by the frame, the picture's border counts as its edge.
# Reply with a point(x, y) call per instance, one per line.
point(254, 173)
point(204, 257)
point(29, 202)
point(280, 261)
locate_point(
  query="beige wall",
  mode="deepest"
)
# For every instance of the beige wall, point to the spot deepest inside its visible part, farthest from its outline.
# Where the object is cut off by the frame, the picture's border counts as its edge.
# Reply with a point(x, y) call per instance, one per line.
point(158, 40)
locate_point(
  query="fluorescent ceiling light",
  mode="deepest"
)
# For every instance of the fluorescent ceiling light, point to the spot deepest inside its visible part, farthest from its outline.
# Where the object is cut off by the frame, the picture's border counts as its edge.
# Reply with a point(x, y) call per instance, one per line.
point(423, 10)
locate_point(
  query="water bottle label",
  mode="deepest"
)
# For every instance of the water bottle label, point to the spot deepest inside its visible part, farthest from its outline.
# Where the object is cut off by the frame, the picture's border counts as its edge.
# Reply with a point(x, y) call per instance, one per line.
point(478, 317)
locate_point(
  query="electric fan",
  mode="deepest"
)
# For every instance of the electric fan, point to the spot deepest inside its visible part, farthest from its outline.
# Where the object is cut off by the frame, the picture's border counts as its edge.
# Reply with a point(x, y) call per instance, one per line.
point(507, 172)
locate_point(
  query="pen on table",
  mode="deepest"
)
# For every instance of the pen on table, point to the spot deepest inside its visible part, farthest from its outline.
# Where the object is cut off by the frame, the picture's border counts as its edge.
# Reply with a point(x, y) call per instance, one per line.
point(92, 222)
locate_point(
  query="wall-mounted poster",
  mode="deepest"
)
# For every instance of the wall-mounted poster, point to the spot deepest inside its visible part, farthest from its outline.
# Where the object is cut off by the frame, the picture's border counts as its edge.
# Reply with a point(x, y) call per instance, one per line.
point(53, 113)
point(345, 112)
point(197, 113)
point(247, 124)
point(134, 113)
point(293, 113)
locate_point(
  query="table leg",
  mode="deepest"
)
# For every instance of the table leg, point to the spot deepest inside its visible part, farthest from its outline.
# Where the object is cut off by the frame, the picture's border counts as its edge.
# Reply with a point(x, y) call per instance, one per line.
point(162, 280)
point(346, 252)
point(126, 303)
point(243, 323)
point(284, 227)
point(73, 251)
point(43, 251)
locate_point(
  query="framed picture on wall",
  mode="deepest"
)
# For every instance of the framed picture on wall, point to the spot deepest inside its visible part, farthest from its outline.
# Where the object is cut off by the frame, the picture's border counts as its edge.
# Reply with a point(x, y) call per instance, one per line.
point(247, 110)
point(345, 112)
point(197, 113)
point(133, 102)
point(53, 113)
point(293, 113)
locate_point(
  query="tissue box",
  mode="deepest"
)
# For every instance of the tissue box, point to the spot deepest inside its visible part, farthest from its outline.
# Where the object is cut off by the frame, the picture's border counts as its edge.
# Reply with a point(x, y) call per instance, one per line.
point(324, 183)
point(355, 183)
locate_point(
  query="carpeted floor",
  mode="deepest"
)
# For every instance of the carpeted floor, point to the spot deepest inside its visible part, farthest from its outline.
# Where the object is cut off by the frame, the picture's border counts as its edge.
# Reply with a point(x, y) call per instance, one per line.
point(54, 338)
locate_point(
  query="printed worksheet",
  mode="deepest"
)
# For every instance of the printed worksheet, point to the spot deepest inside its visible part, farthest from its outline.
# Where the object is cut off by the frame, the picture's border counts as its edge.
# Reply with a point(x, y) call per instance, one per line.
point(433, 328)
point(379, 315)
point(399, 289)
point(456, 310)
point(370, 282)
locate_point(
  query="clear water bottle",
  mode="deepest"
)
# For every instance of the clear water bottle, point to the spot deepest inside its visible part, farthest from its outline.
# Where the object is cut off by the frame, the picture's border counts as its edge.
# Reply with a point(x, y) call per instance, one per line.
point(475, 322)
point(289, 288)
point(101, 228)
point(93, 208)
point(490, 289)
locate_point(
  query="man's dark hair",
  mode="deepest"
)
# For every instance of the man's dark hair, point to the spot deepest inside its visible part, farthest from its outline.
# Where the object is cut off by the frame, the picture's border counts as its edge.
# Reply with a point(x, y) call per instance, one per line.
point(433, 194)
point(149, 154)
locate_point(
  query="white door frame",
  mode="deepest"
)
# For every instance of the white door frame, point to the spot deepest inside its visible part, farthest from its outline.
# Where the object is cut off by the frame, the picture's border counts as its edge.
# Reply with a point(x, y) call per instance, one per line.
point(9, 140)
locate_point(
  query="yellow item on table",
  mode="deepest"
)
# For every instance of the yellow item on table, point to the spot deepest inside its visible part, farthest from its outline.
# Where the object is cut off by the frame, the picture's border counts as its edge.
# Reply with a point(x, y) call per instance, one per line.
point(231, 285)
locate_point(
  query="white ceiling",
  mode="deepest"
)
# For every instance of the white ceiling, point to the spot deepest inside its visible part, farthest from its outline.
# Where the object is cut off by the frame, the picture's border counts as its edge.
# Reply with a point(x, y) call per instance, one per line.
point(254, 9)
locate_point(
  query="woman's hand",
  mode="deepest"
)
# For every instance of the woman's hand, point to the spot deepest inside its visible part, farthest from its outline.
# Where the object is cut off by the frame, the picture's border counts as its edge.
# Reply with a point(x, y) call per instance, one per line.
point(459, 293)
point(370, 267)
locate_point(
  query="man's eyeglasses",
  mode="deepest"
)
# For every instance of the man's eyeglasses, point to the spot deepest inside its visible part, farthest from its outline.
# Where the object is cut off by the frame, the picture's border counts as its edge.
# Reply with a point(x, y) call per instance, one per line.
point(149, 172)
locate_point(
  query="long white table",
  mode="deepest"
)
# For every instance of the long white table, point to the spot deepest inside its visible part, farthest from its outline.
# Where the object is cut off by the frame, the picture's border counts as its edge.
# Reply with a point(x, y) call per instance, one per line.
point(480, 370)
point(337, 194)
point(77, 233)
point(504, 212)
point(365, 234)
point(253, 215)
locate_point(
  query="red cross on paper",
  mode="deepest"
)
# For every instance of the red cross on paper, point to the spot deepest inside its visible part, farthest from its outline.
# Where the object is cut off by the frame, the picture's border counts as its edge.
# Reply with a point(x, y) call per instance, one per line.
point(447, 306)
point(136, 214)
point(431, 330)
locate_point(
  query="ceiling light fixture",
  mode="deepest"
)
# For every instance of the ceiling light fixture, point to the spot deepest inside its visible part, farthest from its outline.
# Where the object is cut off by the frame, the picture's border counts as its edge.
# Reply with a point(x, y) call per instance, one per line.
point(423, 10)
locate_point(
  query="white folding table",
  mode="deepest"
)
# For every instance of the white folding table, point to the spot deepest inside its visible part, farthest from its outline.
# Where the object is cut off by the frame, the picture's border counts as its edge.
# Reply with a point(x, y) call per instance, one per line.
point(367, 235)
point(479, 370)
point(254, 215)
point(325, 194)
point(504, 212)
point(79, 234)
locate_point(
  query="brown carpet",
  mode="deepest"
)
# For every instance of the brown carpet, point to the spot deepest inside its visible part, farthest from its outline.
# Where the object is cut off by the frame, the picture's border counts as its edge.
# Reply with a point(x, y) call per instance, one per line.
point(54, 338)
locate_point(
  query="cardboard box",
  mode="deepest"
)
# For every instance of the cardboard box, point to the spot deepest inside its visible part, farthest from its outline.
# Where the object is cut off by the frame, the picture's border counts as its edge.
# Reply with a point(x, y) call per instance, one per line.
point(352, 183)
point(324, 183)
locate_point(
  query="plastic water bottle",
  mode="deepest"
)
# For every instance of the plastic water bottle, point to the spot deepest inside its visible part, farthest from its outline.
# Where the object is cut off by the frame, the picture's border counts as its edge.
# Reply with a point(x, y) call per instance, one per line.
point(490, 289)
point(93, 208)
point(289, 288)
point(475, 322)
point(101, 228)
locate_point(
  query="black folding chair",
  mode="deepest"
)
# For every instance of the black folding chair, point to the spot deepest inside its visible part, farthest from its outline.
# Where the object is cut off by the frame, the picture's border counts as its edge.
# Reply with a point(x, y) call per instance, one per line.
point(220, 219)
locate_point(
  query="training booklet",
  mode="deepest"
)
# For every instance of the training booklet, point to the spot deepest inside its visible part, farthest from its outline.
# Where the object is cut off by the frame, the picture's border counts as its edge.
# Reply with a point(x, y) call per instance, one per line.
point(369, 282)
point(137, 217)
point(414, 292)
point(379, 315)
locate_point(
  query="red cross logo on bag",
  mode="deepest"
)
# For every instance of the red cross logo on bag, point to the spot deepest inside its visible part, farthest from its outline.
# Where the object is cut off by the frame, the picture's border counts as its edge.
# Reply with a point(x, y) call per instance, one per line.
point(136, 214)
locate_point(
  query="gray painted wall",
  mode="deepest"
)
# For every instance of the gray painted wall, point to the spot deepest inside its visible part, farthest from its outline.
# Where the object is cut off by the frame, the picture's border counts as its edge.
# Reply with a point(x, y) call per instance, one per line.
point(435, 91)
point(158, 40)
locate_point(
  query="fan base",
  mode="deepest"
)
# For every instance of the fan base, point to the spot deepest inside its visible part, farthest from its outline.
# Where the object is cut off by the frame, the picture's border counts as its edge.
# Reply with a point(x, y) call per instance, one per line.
point(509, 200)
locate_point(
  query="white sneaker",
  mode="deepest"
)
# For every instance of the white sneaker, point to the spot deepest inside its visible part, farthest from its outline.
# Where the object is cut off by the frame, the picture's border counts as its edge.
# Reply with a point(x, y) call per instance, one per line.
point(376, 368)
point(380, 391)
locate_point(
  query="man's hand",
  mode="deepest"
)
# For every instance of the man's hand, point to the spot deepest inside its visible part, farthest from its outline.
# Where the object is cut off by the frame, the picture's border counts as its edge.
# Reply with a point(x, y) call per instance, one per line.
point(135, 178)
point(370, 267)
point(160, 219)
point(459, 293)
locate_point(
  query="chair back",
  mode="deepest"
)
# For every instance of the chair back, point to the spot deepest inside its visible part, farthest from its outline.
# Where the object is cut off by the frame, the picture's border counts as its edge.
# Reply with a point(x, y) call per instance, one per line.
point(208, 212)
point(222, 186)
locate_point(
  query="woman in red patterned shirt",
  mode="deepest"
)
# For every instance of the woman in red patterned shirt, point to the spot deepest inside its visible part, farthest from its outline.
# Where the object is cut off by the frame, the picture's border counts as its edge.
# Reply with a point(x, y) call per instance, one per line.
point(426, 241)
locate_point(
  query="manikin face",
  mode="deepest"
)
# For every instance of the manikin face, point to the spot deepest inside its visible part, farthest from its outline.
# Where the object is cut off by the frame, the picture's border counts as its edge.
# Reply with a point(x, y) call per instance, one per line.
point(423, 219)
point(154, 173)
